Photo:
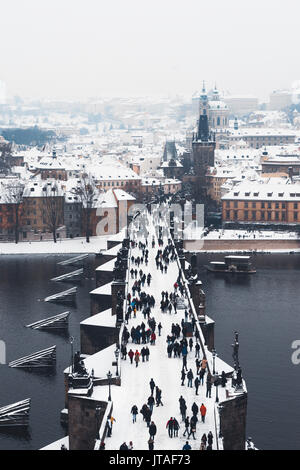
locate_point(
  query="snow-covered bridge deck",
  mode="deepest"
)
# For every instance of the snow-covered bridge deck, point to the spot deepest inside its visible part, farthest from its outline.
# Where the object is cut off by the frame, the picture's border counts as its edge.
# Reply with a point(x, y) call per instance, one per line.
point(166, 373)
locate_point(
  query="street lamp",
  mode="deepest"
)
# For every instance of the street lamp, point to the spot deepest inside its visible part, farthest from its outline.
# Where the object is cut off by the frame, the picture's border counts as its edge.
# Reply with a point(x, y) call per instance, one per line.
point(72, 353)
point(109, 376)
point(117, 352)
point(214, 360)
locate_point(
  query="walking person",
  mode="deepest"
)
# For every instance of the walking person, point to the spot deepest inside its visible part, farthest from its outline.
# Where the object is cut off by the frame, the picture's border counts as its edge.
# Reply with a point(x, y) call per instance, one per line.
point(197, 383)
point(190, 377)
point(187, 425)
point(152, 430)
point(210, 439)
point(170, 427)
point(152, 386)
point(134, 412)
point(131, 356)
point(208, 386)
point(203, 413)
point(175, 427)
point(183, 375)
point(158, 397)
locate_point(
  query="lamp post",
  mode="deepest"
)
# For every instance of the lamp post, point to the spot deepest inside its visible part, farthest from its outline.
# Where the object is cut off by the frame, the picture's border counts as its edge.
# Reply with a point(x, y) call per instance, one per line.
point(109, 376)
point(117, 352)
point(214, 360)
point(72, 353)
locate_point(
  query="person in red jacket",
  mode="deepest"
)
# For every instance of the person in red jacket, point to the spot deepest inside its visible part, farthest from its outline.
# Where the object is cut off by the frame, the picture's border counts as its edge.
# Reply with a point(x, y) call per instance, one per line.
point(153, 338)
point(137, 358)
point(131, 354)
point(203, 412)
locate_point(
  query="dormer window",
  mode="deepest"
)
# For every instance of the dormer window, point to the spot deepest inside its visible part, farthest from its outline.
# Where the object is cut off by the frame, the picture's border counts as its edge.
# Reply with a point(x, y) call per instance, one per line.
point(270, 194)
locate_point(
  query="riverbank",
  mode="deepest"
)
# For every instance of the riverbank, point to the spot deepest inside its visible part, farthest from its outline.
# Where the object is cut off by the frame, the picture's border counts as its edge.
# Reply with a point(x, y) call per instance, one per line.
point(232, 241)
point(61, 247)
point(233, 246)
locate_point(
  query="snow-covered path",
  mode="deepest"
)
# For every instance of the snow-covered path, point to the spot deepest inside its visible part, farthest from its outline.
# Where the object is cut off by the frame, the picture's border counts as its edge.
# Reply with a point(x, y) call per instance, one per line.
point(166, 373)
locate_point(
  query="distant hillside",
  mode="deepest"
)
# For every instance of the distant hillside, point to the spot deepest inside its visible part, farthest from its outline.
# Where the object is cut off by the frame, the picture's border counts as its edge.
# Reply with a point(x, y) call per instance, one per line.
point(33, 136)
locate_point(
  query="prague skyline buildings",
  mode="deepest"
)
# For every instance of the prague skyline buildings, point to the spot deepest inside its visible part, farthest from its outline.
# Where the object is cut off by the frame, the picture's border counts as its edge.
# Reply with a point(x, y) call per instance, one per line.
point(76, 50)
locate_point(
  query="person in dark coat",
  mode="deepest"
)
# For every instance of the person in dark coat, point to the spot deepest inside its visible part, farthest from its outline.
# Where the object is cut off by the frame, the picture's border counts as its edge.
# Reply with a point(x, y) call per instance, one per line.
point(152, 386)
point(187, 425)
point(152, 430)
point(175, 427)
point(210, 439)
point(197, 383)
point(124, 446)
point(195, 409)
point(190, 377)
point(223, 380)
point(151, 402)
point(158, 397)
point(208, 386)
point(134, 412)
point(147, 353)
point(183, 375)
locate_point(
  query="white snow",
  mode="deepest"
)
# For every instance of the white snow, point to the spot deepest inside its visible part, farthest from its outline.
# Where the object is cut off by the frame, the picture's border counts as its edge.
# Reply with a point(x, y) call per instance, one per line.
point(62, 246)
point(104, 318)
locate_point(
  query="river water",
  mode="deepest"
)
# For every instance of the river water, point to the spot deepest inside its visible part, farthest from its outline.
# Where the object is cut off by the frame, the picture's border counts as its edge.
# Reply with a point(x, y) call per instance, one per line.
point(24, 283)
point(264, 308)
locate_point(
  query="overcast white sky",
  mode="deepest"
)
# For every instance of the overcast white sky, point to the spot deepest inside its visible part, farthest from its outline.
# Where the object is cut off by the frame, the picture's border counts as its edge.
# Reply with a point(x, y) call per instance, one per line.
point(83, 48)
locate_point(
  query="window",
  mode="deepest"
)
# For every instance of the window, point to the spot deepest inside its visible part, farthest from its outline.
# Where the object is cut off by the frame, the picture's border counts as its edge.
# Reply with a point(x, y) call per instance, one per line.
point(269, 216)
point(253, 215)
point(295, 205)
point(235, 205)
point(277, 205)
point(277, 215)
point(283, 216)
point(246, 205)
point(235, 215)
point(254, 204)
point(269, 205)
point(227, 214)
point(295, 216)
point(246, 215)
point(262, 205)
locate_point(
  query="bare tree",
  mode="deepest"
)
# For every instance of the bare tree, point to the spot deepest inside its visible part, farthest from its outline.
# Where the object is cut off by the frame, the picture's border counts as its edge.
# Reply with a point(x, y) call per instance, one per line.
point(86, 190)
point(53, 207)
point(15, 196)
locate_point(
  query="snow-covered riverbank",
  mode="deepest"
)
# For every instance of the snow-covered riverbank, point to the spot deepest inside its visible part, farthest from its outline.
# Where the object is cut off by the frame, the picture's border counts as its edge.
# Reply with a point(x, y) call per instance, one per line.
point(63, 246)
